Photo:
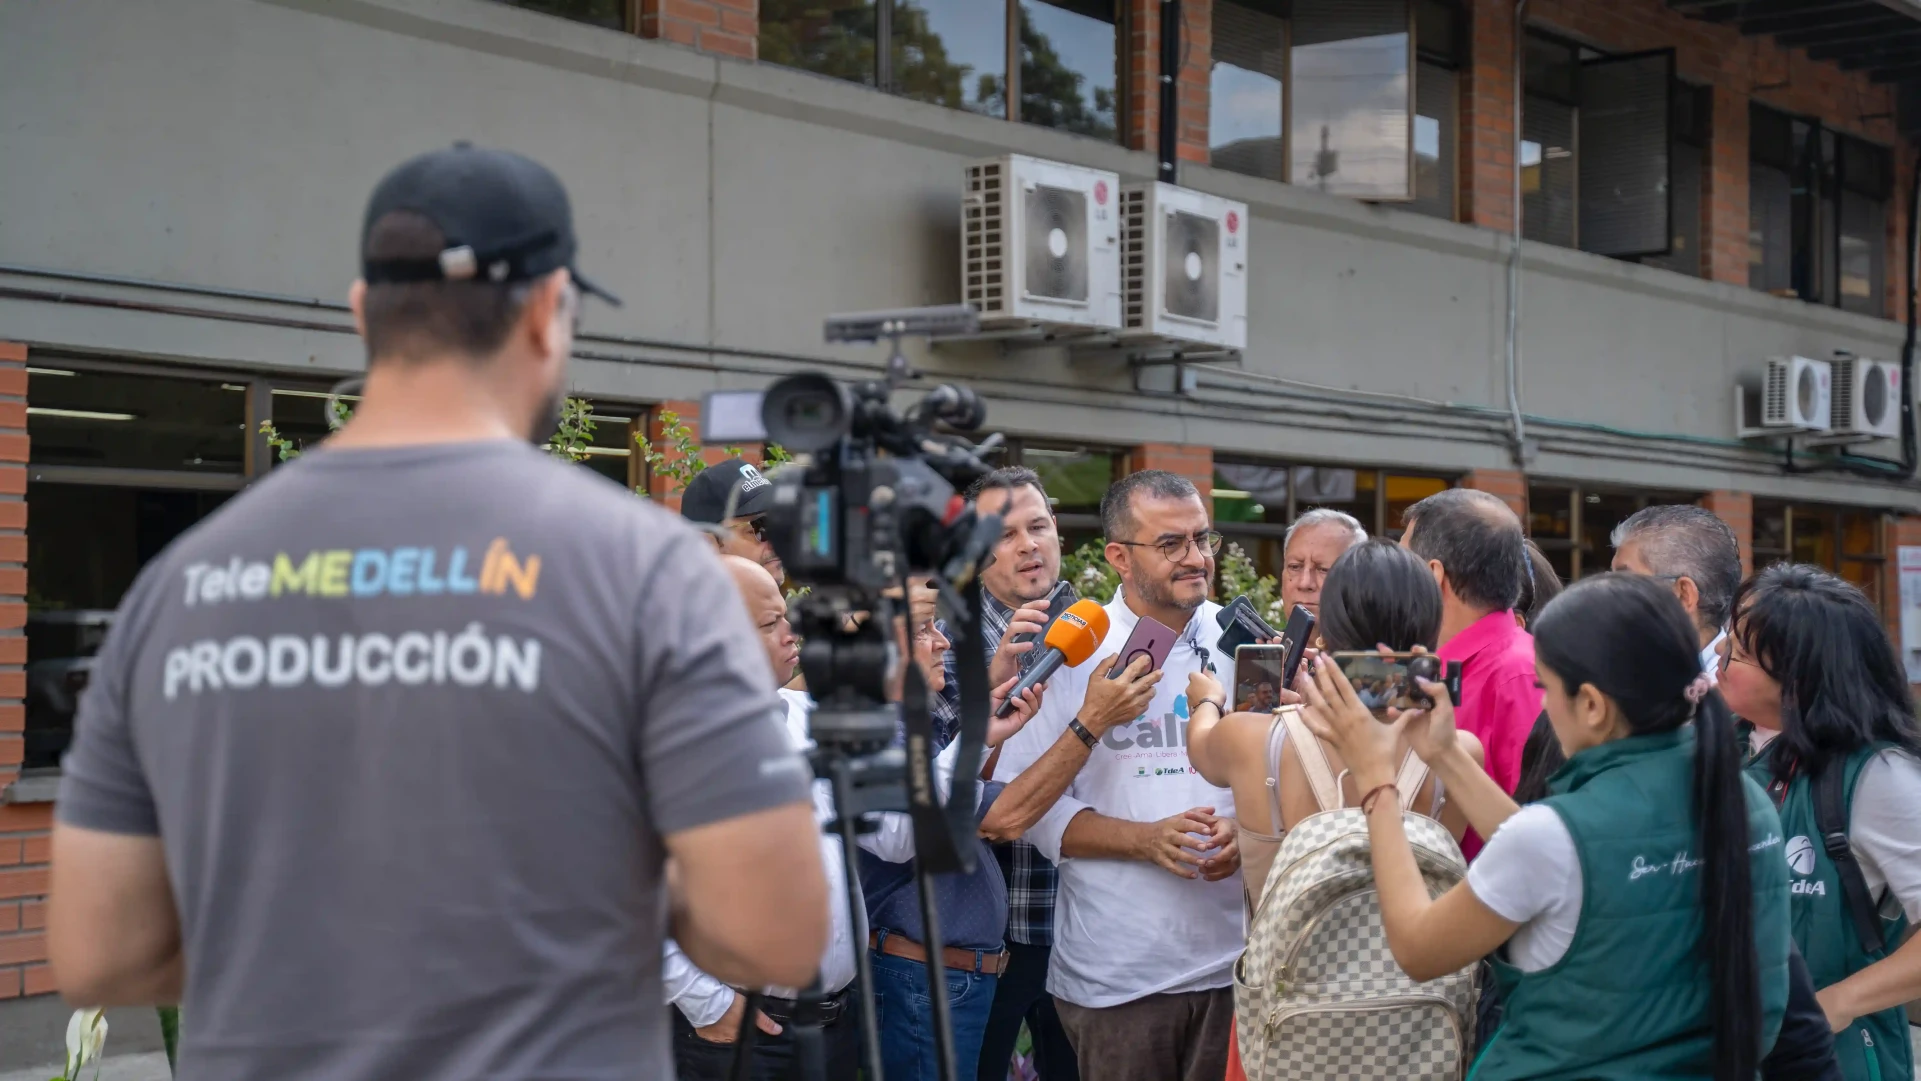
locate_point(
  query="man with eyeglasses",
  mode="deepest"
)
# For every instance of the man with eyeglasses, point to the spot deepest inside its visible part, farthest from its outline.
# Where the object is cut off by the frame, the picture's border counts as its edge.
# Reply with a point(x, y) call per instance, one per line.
point(733, 496)
point(1312, 544)
point(1148, 917)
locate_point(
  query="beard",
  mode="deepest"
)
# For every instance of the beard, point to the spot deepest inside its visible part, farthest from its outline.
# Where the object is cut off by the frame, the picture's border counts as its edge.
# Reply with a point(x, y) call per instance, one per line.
point(1160, 592)
point(547, 420)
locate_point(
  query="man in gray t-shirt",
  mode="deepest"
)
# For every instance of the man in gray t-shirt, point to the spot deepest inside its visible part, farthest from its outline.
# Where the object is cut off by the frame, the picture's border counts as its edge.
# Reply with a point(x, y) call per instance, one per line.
point(389, 754)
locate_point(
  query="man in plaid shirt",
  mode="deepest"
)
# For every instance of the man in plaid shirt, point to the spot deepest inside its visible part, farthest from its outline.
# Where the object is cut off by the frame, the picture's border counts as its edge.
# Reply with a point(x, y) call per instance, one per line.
point(1020, 585)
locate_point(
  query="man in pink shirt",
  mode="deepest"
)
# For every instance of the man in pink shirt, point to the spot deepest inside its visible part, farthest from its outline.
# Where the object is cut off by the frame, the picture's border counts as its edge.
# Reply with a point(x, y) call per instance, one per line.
point(1474, 545)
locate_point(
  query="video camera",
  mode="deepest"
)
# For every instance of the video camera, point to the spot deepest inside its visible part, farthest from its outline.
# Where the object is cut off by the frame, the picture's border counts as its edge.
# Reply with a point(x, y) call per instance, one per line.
point(871, 500)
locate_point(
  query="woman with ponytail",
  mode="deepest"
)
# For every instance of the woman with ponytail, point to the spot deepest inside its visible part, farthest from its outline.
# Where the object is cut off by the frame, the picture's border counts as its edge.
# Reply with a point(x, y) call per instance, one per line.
point(1809, 666)
point(1640, 911)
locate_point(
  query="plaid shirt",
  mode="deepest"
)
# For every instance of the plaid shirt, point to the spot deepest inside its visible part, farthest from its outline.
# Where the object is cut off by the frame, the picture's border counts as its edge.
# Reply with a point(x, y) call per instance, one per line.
point(1031, 880)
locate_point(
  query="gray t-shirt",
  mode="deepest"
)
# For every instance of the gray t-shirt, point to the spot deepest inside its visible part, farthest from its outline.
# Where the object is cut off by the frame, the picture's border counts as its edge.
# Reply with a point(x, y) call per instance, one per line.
point(410, 724)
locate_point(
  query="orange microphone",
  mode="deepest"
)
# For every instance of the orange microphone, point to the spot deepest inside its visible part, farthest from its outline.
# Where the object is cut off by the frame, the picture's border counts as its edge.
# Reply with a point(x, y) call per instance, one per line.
point(1071, 639)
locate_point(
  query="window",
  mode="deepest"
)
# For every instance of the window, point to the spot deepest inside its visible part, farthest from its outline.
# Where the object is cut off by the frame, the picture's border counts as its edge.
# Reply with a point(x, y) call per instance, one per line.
point(1437, 35)
point(1332, 94)
point(955, 53)
point(1247, 89)
point(1687, 154)
point(611, 446)
point(608, 13)
point(1844, 540)
point(1595, 151)
point(1817, 213)
point(1075, 477)
point(1255, 501)
point(1574, 526)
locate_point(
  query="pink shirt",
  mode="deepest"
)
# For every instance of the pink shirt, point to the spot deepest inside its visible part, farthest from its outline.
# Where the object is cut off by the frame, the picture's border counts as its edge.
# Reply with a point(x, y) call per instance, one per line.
point(1499, 701)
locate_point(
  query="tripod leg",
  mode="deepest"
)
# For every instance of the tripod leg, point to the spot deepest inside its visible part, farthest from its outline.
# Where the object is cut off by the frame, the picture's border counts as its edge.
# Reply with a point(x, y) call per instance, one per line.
point(863, 966)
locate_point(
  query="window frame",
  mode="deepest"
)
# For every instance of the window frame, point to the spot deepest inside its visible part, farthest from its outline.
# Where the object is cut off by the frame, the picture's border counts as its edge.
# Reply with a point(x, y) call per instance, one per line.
point(1375, 520)
point(1817, 164)
point(1578, 500)
point(1835, 516)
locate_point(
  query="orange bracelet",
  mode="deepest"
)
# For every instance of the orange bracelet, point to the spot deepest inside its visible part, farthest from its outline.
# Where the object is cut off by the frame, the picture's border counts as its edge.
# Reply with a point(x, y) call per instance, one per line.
point(1367, 801)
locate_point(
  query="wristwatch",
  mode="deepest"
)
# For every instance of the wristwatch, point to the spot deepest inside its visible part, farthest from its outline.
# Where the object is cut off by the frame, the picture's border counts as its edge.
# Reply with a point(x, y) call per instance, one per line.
point(1075, 726)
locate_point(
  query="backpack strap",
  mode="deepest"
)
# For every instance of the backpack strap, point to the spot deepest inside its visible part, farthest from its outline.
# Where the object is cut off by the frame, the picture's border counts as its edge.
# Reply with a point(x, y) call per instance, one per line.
point(1411, 781)
point(1320, 775)
point(1831, 818)
point(1276, 741)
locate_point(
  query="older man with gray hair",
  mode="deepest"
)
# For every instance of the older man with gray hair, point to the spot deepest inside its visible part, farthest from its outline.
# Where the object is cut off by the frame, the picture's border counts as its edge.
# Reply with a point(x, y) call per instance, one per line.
point(1696, 554)
point(1309, 549)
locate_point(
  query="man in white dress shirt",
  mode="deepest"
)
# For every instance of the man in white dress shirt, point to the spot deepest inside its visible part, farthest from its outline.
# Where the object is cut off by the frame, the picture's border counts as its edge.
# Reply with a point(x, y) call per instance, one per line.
point(1697, 554)
point(1149, 914)
point(708, 1012)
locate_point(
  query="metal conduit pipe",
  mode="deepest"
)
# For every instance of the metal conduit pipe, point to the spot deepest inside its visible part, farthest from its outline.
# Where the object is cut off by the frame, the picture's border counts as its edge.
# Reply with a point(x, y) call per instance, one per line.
point(1518, 421)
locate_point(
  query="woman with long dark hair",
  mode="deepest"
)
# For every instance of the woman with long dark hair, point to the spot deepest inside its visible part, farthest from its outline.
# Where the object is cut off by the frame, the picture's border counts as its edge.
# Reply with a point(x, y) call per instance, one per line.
point(1377, 593)
point(1641, 910)
point(1810, 667)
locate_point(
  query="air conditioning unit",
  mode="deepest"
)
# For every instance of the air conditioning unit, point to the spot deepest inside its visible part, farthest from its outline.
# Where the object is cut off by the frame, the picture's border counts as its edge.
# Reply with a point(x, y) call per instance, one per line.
point(1040, 242)
point(1796, 394)
point(1867, 398)
point(1183, 265)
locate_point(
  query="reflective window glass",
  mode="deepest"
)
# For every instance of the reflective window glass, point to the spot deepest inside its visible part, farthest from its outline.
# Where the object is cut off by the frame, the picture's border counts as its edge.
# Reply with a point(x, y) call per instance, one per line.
point(1069, 74)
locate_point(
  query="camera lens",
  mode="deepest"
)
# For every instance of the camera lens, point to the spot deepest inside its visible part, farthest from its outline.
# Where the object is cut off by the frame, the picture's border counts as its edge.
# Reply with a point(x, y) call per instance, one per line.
point(807, 412)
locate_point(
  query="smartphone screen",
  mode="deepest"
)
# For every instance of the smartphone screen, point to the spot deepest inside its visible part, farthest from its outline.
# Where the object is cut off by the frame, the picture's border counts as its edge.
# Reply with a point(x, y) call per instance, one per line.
point(1380, 680)
point(1152, 639)
point(1258, 672)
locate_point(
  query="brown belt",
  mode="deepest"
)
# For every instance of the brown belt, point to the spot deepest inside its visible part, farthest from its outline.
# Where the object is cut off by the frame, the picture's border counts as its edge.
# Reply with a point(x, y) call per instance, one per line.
point(983, 962)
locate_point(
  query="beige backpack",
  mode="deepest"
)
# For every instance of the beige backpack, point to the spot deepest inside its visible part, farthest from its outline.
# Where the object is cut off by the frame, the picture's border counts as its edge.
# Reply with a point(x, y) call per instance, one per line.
point(1317, 994)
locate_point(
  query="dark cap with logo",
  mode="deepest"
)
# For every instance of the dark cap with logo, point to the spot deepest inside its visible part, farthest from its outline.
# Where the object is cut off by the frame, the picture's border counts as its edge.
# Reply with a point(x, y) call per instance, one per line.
point(505, 218)
point(731, 489)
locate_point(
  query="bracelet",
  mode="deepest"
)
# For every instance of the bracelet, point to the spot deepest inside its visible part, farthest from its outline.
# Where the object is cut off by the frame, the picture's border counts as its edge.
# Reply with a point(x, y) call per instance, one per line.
point(1075, 726)
point(1219, 706)
point(1367, 801)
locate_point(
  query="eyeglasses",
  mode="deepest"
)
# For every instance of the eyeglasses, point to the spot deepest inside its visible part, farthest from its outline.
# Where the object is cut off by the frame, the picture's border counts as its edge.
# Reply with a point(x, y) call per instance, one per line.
point(757, 525)
point(1175, 549)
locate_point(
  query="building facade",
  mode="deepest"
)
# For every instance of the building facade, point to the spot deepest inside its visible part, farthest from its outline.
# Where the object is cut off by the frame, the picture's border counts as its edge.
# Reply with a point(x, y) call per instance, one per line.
point(181, 185)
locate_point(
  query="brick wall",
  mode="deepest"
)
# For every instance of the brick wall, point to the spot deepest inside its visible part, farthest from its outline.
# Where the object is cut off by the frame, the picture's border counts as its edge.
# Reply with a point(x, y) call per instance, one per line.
point(724, 27)
point(23, 828)
point(1194, 463)
point(1140, 120)
point(1737, 68)
point(658, 484)
point(1737, 510)
point(1507, 484)
point(1487, 135)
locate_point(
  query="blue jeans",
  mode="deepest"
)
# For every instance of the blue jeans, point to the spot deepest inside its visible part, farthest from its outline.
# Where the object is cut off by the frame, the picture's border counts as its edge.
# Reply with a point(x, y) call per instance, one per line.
point(905, 1015)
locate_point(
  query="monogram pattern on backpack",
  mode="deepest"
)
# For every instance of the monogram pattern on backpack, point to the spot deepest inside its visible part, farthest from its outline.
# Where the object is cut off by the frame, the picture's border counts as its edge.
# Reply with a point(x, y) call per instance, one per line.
point(1318, 994)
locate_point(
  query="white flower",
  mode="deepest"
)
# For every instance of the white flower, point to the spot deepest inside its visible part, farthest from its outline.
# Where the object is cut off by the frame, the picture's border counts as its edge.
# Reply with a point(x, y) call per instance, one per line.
point(86, 1036)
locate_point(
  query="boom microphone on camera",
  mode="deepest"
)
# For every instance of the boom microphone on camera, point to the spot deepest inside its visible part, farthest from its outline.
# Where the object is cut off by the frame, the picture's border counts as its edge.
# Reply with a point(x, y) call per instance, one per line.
point(1070, 640)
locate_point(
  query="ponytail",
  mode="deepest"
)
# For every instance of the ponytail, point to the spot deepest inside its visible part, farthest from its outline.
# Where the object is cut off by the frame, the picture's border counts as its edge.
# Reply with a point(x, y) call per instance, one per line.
point(1628, 637)
point(1727, 896)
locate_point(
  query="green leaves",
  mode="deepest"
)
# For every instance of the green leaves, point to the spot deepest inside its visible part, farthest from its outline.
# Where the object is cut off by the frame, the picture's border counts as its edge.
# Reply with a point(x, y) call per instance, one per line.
point(1087, 568)
point(1238, 576)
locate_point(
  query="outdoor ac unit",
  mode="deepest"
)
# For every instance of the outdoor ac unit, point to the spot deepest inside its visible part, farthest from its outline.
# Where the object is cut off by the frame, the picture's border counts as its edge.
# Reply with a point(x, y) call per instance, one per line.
point(1183, 265)
point(1040, 241)
point(1867, 398)
point(1796, 394)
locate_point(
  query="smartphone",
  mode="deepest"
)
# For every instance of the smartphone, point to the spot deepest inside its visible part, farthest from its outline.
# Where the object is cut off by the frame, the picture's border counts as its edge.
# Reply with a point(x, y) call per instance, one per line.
point(1259, 674)
point(1294, 638)
point(1152, 639)
point(1386, 681)
point(1059, 602)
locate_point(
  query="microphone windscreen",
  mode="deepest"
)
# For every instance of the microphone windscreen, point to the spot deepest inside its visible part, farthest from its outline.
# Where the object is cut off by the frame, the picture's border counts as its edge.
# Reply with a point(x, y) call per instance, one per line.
point(1079, 631)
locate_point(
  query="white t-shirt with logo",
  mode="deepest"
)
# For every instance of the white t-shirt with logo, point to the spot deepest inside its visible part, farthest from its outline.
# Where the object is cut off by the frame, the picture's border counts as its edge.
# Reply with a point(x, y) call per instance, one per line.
point(1127, 929)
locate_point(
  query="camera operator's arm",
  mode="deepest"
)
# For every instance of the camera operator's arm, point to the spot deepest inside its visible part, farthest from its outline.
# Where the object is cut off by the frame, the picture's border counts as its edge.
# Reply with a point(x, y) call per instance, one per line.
point(722, 782)
point(1109, 702)
point(113, 933)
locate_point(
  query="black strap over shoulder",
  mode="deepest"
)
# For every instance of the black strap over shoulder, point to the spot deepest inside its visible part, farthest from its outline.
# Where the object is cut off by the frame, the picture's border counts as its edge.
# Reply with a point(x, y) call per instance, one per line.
point(1831, 818)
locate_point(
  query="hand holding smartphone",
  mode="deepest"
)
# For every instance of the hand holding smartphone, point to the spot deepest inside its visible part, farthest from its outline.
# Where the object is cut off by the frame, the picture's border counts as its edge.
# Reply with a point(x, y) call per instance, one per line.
point(1151, 639)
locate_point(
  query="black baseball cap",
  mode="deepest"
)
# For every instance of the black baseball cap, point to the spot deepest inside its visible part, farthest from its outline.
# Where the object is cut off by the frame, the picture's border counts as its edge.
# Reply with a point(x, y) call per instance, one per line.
point(733, 481)
point(505, 217)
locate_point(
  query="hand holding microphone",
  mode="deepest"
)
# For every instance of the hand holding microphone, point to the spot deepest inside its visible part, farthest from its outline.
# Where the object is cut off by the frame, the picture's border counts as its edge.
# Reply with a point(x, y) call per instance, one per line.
point(1070, 641)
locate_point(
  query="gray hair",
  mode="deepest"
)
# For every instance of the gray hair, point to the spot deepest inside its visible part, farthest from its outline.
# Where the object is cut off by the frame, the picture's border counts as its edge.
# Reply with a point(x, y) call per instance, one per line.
point(1320, 516)
point(1685, 541)
point(1117, 510)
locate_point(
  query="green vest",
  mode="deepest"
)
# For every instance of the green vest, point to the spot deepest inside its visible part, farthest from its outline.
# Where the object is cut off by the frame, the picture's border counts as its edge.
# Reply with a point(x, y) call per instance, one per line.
point(1875, 1047)
point(1630, 997)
